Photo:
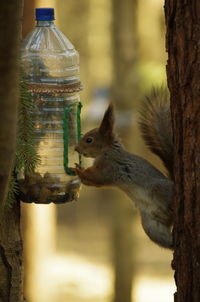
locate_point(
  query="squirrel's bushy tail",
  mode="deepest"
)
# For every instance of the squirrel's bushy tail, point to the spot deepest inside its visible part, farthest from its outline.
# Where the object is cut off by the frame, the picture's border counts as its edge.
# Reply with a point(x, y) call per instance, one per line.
point(155, 126)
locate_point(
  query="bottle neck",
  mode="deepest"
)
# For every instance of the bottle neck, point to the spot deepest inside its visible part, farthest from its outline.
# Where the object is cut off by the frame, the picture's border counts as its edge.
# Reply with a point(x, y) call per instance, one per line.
point(44, 23)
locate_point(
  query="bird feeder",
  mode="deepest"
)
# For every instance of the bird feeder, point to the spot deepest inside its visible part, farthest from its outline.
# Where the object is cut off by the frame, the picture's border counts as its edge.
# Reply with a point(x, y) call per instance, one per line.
point(51, 66)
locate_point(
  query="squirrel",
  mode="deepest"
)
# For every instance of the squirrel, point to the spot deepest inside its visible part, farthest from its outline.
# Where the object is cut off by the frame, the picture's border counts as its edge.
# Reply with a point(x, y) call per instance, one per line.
point(113, 166)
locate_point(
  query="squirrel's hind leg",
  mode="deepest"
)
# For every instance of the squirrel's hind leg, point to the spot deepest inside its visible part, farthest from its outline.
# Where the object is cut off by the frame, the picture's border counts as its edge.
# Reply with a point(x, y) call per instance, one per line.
point(157, 231)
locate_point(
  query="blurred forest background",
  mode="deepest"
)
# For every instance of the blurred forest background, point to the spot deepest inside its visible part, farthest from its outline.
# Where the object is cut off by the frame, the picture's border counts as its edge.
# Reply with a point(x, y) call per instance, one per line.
point(95, 249)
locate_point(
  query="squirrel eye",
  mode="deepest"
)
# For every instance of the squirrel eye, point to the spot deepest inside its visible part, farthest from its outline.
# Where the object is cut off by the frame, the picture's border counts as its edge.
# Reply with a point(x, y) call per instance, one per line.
point(89, 140)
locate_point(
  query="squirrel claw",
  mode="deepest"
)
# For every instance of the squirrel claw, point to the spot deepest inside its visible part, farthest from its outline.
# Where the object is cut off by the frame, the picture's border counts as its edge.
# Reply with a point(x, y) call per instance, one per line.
point(77, 170)
point(73, 169)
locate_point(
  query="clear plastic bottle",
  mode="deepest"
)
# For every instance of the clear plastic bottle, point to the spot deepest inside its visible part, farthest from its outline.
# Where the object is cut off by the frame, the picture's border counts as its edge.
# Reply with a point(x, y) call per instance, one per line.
point(51, 65)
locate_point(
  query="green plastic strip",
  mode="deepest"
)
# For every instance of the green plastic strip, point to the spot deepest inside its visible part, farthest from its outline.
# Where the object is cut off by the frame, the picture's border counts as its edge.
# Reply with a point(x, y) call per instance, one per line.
point(79, 107)
point(67, 111)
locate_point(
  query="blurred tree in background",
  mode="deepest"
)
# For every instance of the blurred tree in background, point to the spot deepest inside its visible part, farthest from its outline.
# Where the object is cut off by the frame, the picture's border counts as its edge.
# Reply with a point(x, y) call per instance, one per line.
point(124, 93)
point(73, 21)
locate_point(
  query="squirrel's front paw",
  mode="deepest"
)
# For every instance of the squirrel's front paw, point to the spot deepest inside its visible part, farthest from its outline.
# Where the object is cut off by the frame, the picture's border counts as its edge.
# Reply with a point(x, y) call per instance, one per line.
point(77, 169)
point(81, 173)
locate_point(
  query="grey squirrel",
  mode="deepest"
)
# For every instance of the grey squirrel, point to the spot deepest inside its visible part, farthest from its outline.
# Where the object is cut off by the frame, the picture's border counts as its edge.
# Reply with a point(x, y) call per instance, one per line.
point(113, 166)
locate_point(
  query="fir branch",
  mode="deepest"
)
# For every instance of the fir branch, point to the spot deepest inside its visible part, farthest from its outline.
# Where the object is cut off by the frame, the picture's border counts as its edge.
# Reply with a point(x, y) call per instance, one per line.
point(13, 191)
point(26, 157)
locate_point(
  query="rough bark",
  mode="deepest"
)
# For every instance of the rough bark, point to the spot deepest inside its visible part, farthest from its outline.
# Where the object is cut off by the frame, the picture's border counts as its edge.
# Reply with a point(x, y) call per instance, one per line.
point(10, 240)
point(124, 89)
point(10, 255)
point(183, 71)
point(10, 14)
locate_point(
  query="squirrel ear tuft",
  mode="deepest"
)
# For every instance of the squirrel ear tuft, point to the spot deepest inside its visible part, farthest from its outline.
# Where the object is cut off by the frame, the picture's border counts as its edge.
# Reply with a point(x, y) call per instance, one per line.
point(106, 128)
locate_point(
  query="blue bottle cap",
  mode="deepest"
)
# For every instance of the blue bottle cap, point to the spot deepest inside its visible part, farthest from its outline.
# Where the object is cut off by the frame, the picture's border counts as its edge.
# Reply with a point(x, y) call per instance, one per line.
point(44, 14)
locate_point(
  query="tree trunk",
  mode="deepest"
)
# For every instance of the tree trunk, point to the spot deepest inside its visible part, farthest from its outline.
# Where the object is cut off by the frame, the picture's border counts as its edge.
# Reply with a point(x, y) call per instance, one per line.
point(10, 30)
point(183, 70)
point(124, 90)
point(30, 243)
point(10, 239)
point(10, 255)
